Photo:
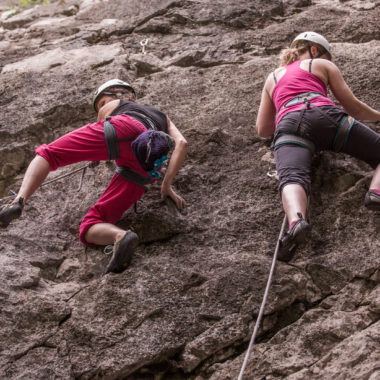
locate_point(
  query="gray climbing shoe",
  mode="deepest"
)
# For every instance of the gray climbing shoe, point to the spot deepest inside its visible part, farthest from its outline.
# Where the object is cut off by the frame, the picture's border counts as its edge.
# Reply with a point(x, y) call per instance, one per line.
point(122, 253)
point(293, 239)
point(11, 212)
point(372, 201)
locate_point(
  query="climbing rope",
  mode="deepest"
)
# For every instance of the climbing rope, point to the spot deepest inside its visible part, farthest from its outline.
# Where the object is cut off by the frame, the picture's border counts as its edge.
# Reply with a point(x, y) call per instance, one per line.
point(261, 312)
point(273, 175)
point(83, 168)
point(90, 165)
point(9, 196)
point(139, 207)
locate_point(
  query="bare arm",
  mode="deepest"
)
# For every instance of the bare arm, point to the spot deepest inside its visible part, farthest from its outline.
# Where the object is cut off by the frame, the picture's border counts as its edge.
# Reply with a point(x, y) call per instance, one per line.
point(346, 98)
point(175, 163)
point(36, 173)
point(267, 112)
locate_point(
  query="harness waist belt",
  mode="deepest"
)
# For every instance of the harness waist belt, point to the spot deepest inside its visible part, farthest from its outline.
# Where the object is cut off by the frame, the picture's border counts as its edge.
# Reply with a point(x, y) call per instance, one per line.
point(148, 123)
point(342, 133)
point(134, 177)
point(294, 140)
point(301, 98)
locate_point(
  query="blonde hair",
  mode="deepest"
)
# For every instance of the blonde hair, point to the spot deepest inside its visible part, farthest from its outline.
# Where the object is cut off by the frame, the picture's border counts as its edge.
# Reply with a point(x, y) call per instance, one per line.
point(289, 55)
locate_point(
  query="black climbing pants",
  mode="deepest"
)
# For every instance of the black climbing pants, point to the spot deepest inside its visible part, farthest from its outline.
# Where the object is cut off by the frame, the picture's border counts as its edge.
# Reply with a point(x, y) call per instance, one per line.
point(294, 162)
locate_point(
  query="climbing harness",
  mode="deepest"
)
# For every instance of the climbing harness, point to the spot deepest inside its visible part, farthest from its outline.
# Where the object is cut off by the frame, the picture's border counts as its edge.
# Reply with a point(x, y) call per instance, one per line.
point(111, 140)
point(343, 127)
point(287, 139)
point(301, 98)
point(148, 123)
point(144, 43)
point(134, 177)
point(111, 137)
point(266, 292)
point(113, 150)
point(295, 139)
point(342, 133)
point(114, 153)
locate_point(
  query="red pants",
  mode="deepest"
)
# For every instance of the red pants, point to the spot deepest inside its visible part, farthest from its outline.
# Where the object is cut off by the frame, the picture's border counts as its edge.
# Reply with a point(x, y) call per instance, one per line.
point(88, 144)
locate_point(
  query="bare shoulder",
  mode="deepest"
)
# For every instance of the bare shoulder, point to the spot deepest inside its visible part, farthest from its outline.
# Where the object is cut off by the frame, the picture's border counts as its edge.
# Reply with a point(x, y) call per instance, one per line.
point(320, 62)
point(326, 70)
point(279, 72)
point(107, 109)
point(273, 78)
point(322, 68)
point(269, 84)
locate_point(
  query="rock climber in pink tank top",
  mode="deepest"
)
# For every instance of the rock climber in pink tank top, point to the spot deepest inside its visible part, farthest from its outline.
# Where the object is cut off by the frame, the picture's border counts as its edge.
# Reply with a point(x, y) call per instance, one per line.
point(294, 82)
point(295, 110)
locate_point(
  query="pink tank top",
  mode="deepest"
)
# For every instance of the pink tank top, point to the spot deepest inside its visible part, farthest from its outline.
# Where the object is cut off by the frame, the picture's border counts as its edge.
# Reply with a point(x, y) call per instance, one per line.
point(294, 82)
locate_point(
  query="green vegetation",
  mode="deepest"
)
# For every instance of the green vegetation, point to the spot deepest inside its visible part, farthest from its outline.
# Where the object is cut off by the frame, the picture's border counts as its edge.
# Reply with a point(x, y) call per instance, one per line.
point(25, 3)
point(15, 5)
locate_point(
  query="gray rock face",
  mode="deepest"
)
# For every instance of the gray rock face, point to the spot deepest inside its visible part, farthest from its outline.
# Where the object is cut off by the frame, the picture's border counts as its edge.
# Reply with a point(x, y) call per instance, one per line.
point(186, 307)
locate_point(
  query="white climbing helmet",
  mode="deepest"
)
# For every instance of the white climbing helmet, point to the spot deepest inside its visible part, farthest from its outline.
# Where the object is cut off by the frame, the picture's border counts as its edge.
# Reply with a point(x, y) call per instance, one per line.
point(315, 38)
point(109, 84)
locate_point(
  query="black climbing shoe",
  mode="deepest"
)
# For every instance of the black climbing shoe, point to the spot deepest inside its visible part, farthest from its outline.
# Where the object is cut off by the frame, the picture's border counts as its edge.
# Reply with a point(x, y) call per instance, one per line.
point(122, 253)
point(372, 201)
point(292, 239)
point(11, 212)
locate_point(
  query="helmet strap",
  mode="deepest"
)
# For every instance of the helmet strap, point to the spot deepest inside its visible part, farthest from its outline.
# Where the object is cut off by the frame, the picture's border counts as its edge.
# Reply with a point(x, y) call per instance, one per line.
point(309, 49)
point(321, 52)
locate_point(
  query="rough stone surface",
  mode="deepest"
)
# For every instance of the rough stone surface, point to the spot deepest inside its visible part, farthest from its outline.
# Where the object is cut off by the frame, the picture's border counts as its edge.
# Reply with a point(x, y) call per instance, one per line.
point(187, 306)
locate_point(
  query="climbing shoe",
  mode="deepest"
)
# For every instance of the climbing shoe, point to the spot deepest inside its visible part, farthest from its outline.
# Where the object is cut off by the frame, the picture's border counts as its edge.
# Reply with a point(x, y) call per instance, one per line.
point(11, 212)
point(372, 200)
point(292, 239)
point(122, 253)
